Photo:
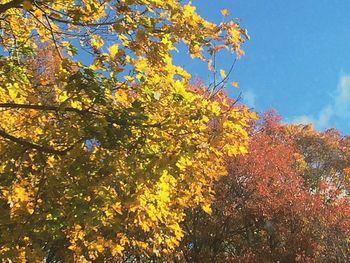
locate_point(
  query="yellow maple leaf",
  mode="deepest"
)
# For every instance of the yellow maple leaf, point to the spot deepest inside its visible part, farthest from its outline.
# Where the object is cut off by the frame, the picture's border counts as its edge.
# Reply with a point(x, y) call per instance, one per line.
point(222, 73)
point(207, 208)
point(224, 12)
point(117, 249)
point(50, 161)
point(20, 193)
point(96, 42)
point(113, 50)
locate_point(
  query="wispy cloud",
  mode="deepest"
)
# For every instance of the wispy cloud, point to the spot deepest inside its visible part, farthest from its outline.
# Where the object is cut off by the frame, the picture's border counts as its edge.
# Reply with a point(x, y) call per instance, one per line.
point(249, 98)
point(342, 99)
point(338, 108)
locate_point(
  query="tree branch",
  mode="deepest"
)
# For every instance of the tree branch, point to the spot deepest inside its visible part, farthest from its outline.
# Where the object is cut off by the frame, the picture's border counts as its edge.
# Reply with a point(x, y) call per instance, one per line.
point(81, 112)
point(10, 5)
point(40, 148)
point(42, 107)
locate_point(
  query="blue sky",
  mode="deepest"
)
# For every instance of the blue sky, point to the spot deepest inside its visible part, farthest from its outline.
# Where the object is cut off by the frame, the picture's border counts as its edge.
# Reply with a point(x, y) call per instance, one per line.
point(297, 61)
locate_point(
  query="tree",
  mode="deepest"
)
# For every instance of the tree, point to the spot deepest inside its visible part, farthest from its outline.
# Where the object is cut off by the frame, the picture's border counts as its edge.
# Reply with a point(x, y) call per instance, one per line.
point(264, 213)
point(324, 159)
point(101, 160)
point(323, 162)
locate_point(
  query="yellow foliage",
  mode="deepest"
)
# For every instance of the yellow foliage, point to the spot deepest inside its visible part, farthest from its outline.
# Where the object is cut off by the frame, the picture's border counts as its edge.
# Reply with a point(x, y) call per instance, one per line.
point(101, 160)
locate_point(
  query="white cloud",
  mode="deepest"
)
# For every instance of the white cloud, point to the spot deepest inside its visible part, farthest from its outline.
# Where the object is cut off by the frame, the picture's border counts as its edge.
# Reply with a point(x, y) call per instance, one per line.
point(249, 98)
point(324, 117)
point(342, 98)
point(337, 108)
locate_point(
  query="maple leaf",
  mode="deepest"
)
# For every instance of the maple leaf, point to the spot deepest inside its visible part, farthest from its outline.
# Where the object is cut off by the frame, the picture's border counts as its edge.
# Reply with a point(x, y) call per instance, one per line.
point(224, 12)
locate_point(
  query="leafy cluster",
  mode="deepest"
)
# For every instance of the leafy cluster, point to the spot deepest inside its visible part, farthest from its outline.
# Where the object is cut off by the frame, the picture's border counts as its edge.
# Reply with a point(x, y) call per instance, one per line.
point(103, 143)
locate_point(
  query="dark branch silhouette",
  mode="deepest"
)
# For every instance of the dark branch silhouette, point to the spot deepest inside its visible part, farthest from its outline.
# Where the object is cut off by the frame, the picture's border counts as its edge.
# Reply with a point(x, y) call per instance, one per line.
point(40, 148)
point(10, 5)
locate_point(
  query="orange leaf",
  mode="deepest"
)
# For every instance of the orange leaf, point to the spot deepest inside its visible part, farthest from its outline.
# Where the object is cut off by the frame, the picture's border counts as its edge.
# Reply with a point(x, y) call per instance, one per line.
point(235, 84)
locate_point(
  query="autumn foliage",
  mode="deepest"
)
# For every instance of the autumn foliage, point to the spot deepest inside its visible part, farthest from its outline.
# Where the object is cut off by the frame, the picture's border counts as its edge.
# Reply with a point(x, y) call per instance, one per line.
point(110, 153)
point(100, 160)
point(285, 201)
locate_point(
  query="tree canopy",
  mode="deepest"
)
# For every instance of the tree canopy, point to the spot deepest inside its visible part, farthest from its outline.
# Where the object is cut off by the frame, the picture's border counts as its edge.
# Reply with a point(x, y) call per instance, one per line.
point(99, 161)
point(110, 152)
point(285, 201)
